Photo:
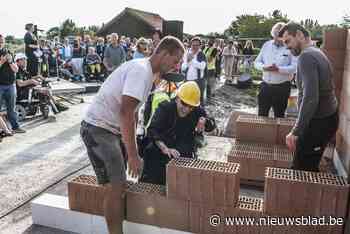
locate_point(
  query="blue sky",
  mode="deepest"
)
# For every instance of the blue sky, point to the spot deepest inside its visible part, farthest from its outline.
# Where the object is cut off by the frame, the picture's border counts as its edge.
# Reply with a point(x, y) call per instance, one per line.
point(198, 16)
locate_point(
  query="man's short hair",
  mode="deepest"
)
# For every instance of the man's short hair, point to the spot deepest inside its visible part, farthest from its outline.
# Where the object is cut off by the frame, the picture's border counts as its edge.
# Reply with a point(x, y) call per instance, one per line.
point(292, 28)
point(170, 44)
point(196, 39)
point(28, 26)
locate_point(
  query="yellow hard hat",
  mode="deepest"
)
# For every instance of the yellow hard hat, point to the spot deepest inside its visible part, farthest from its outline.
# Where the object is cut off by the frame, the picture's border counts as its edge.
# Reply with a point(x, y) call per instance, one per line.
point(190, 93)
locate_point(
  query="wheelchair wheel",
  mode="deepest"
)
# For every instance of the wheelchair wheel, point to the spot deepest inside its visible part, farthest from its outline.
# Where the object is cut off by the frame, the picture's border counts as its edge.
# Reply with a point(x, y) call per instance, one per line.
point(21, 112)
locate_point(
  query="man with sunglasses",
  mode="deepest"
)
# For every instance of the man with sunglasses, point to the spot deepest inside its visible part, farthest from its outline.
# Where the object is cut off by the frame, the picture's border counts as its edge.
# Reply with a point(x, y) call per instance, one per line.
point(194, 64)
point(172, 132)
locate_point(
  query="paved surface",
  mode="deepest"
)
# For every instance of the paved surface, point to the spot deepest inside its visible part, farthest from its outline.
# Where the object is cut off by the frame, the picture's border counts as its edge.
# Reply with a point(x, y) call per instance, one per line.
point(49, 151)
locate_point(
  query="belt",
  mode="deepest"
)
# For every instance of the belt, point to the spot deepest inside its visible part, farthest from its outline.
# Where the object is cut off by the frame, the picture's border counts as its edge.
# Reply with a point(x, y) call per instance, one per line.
point(276, 85)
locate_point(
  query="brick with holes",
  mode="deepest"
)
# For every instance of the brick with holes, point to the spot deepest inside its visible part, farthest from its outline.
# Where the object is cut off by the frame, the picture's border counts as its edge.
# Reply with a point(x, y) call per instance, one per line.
point(296, 193)
point(202, 181)
point(148, 204)
point(257, 129)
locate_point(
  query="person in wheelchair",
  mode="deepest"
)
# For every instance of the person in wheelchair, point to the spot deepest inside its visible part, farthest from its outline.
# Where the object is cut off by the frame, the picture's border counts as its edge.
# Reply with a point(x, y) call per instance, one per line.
point(93, 64)
point(33, 92)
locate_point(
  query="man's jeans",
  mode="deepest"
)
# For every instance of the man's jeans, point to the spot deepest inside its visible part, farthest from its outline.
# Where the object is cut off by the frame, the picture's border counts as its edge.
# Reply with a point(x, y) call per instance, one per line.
point(8, 96)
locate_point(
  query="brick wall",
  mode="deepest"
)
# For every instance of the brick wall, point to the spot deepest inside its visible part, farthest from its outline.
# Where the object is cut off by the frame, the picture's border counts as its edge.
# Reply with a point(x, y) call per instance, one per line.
point(337, 48)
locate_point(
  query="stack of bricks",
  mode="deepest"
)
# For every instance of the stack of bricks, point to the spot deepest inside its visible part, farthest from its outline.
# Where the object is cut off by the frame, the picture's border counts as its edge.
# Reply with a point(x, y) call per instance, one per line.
point(210, 187)
point(292, 193)
point(260, 144)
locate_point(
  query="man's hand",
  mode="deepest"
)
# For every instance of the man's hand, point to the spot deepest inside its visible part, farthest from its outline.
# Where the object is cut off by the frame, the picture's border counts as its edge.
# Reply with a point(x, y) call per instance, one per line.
point(172, 153)
point(272, 68)
point(135, 165)
point(291, 141)
point(201, 124)
point(34, 82)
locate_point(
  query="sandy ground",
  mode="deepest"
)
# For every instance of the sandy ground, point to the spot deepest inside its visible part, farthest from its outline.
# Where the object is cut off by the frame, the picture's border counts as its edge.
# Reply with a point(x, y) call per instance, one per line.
point(49, 151)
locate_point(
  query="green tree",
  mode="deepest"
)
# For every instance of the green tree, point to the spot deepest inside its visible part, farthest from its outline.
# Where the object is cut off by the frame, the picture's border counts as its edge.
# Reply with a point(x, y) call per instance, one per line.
point(53, 32)
point(315, 29)
point(68, 27)
point(258, 26)
point(10, 39)
point(346, 21)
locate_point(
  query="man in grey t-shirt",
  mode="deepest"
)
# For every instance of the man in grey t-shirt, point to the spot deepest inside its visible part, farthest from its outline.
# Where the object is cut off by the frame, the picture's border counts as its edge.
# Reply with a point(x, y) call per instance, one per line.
point(317, 119)
point(114, 54)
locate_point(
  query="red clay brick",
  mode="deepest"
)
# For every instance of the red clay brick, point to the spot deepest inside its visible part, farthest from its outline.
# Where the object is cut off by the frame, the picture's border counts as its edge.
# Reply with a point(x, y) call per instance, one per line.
point(335, 39)
point(253, 158)
point(148, 204)
point(336, 57)
point(85, 195)
point(202, 180)
point(308, 193)
point(283, 157)
point(257, 129)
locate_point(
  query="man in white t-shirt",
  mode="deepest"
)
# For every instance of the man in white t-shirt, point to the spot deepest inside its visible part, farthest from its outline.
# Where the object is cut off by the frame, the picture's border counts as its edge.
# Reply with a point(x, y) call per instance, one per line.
point(108, 128)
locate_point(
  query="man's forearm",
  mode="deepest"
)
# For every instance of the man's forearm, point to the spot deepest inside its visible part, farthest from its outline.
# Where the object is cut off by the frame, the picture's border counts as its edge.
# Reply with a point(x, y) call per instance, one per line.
point(128, 133)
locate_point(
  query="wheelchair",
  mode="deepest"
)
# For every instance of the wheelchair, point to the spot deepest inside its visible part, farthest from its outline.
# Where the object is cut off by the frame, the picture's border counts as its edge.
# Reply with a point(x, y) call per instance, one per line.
point(94, 71)
point(31, 100)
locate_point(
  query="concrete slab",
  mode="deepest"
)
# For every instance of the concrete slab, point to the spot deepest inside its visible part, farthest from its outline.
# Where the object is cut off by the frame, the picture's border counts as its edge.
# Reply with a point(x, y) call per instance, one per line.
point(61, 217)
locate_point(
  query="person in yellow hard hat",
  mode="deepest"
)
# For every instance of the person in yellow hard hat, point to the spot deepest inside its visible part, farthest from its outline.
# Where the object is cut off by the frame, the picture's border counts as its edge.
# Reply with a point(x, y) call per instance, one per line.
point(172, 132)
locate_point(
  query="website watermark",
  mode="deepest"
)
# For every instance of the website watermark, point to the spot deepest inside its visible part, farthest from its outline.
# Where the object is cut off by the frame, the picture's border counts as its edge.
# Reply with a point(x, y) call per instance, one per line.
point(216, 220)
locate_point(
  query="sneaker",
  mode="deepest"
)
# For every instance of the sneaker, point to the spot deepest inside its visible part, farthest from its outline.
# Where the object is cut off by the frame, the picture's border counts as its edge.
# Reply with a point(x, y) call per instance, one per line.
point(19, 130)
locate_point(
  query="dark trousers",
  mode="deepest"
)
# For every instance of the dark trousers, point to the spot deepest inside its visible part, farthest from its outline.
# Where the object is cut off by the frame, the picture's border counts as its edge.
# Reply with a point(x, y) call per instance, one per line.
point(311, 145)
point(154, 167)
point(274, 96)
point(33, 66)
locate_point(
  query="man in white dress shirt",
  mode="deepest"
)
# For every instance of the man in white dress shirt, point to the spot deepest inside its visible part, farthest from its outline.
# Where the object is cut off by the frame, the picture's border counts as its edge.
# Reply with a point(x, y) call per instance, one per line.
point(194, 64)
point(278, 65)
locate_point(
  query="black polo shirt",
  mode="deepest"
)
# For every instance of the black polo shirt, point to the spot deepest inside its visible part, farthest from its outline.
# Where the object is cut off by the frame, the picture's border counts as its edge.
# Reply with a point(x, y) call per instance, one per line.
point(7, 76)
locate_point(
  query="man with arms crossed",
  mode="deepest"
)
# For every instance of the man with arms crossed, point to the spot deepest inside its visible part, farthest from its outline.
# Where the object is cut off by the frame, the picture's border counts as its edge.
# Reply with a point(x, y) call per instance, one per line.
point(110, 121)
point(317, 119)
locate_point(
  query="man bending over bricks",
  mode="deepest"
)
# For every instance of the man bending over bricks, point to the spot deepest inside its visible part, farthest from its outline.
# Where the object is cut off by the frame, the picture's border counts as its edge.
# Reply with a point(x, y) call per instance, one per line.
point(110, 121)
point(317, 119)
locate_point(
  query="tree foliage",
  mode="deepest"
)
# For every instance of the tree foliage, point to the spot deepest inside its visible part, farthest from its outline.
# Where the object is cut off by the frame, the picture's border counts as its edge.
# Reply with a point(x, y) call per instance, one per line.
point(254, 25)
point(346, 21)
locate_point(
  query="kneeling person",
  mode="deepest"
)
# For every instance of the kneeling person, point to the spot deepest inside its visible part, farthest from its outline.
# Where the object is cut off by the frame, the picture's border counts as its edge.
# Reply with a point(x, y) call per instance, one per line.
point(172, 132)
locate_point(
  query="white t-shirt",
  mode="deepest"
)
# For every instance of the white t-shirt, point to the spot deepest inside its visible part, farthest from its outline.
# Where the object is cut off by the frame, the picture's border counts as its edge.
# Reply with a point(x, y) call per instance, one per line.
point(134, 79)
